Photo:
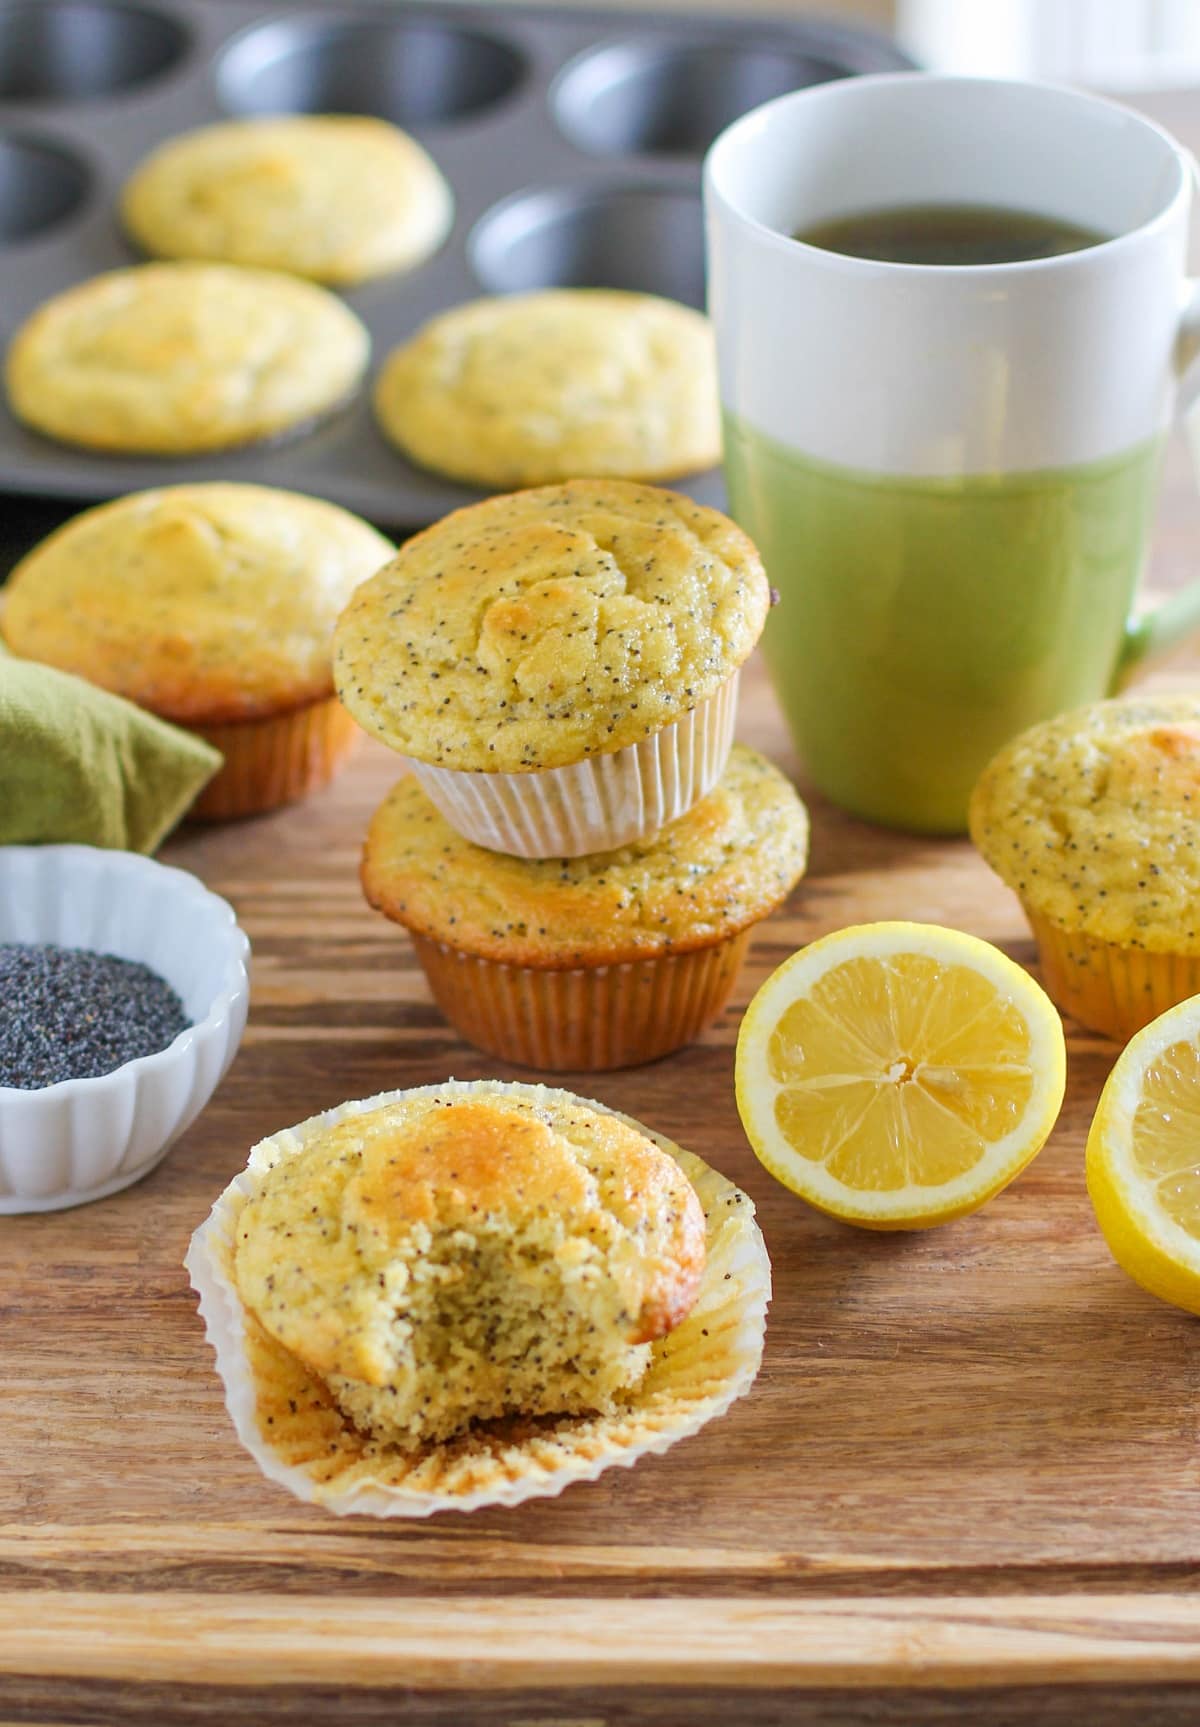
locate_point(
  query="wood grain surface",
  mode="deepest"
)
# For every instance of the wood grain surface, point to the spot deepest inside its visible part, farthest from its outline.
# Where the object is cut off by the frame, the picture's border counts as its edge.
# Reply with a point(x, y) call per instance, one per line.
point(965, 1486)
point(969, 1465)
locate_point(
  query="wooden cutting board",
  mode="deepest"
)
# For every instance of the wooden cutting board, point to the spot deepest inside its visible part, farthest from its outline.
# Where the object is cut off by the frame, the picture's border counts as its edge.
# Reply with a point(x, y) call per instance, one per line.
point(967, 1480)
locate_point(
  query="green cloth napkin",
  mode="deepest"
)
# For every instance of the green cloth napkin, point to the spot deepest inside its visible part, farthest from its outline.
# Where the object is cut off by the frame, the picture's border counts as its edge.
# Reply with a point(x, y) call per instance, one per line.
point(78, 764)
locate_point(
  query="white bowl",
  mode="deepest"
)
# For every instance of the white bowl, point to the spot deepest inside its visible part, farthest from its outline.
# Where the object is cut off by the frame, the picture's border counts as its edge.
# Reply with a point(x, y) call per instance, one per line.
point(85, 1138)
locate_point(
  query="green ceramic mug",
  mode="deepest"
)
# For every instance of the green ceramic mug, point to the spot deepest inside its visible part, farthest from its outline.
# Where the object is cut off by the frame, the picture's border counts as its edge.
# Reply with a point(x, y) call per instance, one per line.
point(950, 470)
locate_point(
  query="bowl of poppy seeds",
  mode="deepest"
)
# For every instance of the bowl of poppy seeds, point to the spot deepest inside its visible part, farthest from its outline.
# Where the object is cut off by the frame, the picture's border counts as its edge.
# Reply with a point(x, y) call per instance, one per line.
point(123, 997)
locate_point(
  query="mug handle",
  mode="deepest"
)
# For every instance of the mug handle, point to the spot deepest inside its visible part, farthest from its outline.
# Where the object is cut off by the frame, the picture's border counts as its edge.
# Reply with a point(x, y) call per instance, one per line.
point(1152, 636)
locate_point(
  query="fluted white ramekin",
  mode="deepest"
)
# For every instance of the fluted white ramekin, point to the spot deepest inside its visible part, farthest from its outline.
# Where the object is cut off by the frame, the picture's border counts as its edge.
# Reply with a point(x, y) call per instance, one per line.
point(85, 1138)
point(597, 804)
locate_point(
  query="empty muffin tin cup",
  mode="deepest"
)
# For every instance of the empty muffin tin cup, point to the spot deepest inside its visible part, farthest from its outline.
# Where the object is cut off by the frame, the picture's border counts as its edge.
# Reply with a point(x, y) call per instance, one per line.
point(647, 97)
point(411, 71)
point(71, 50)
point(40, 184)
point(646, 239)
point(597, 804)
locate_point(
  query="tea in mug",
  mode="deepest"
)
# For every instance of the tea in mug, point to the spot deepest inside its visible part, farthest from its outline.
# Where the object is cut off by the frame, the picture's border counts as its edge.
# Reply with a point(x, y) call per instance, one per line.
point(949, 234)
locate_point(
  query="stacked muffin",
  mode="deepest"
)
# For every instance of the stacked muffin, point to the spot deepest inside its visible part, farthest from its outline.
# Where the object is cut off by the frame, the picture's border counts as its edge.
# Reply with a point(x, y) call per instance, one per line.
point(581, 859)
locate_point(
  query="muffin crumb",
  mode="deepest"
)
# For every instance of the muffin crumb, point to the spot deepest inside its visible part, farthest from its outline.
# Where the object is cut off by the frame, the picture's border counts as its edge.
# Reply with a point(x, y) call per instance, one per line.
point(471, 1259)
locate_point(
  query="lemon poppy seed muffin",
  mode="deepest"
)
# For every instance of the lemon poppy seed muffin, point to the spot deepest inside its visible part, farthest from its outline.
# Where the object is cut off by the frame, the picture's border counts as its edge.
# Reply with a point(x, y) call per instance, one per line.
point(444, 1263)
point(529, 388)
point(559, 664)
point(540, 627)
point(474, 1294)
point(1093, 819)
point(338, 198)
point(726, 864)
point(212, 606)
point(602, 961)
point(179, 358)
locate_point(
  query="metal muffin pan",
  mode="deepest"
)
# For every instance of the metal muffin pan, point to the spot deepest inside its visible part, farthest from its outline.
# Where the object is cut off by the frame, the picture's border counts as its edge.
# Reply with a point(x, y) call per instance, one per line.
point(572, 141)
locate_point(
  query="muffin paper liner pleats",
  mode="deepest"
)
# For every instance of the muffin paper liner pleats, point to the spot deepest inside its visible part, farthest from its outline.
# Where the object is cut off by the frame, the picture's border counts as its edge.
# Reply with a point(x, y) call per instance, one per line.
point(586, 1018)
point(597, 804)
point(299, 1438)
point(1108, 987)
point(274, 761)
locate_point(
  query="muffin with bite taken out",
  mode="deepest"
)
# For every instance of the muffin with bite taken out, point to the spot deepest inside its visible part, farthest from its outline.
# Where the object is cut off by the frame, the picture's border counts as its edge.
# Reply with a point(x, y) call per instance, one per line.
point(474, 1294)
point(595, 962)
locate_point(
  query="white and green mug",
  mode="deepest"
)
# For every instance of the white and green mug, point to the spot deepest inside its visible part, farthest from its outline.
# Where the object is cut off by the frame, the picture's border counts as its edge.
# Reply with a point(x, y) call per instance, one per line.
point(950, 471)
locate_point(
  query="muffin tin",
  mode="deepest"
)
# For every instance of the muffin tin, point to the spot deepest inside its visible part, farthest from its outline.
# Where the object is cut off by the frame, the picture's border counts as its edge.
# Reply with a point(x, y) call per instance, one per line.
point(572, 141)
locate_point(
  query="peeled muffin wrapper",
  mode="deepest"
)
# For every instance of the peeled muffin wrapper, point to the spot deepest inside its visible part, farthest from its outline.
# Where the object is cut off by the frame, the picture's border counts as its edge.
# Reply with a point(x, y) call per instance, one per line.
point(294, 1430)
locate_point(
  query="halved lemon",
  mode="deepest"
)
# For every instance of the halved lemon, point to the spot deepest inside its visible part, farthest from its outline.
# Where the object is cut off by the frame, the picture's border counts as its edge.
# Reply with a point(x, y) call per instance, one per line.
point(899, 1074)
point(1143, 1157)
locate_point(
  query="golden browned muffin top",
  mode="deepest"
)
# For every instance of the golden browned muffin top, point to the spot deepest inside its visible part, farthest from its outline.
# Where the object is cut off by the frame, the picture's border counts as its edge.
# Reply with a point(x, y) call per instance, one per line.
point(538, 628)
point(203, 603)
point(441, 1260)
point(1094, 819)
point(335, 197)
point(724, 865)
point(525, 389)
point(170, 359)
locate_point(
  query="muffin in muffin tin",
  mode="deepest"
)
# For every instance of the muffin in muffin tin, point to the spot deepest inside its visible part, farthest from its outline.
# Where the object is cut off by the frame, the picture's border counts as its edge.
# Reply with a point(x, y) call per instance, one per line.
point(338, 198)
point(534, 388)
point(184, 358)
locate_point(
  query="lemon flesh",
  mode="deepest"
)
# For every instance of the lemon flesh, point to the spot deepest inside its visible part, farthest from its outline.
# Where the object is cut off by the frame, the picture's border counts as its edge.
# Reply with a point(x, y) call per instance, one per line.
point(898, 1075)
point(1143, 1157)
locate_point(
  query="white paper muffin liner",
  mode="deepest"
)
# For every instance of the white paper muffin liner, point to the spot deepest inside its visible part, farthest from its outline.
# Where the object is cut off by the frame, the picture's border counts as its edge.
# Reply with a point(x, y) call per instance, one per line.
point(594, 805)
point(299, 1438)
